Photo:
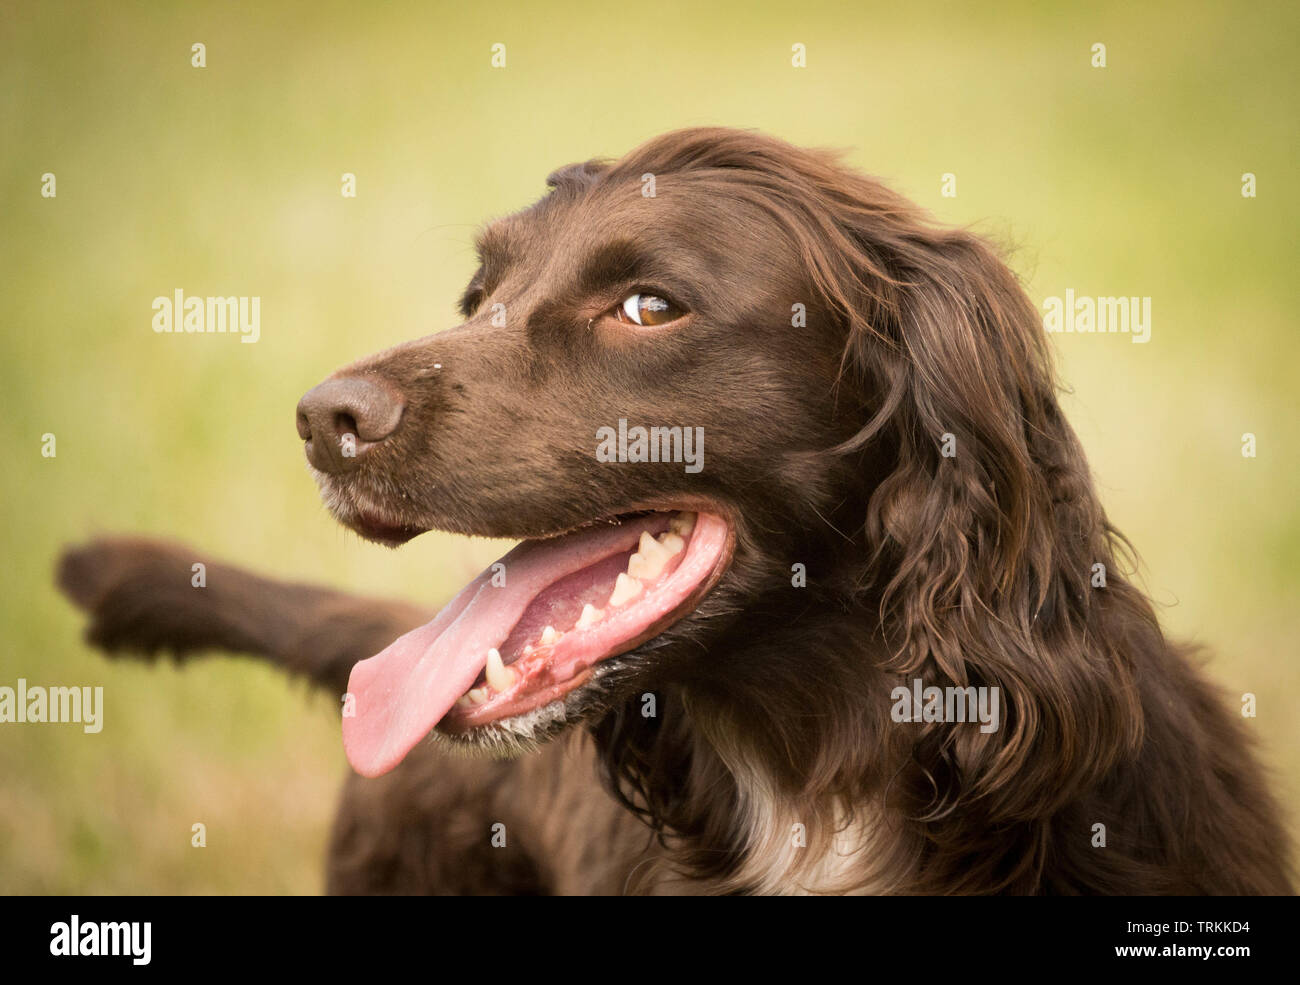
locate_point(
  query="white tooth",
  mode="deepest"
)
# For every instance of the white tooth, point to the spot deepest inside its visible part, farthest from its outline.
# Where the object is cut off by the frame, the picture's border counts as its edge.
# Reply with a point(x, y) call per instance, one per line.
point(648, 546)
point(549, 635)
point(590, 616)
point(499, 676)
point(672, 542)
point(649, 559)
point(464, 702)
point(478, 695)
point(626, 588)
point(638, 567)
point(682, 524)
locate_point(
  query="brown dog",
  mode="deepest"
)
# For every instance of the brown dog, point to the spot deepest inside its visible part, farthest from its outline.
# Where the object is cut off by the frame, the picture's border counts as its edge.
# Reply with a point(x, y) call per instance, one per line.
point(786, 460)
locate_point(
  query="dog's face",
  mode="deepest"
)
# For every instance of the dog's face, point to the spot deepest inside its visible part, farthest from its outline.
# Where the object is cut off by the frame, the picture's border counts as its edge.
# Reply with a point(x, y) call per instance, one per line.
point(498, 436)
point(597, 313)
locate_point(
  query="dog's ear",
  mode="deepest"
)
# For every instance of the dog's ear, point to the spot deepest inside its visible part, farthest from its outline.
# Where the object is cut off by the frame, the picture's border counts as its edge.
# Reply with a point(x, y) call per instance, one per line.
point(981, 522)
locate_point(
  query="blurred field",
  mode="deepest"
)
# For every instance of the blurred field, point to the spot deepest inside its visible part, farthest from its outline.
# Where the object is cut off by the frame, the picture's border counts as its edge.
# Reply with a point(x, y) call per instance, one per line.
point(225, 180)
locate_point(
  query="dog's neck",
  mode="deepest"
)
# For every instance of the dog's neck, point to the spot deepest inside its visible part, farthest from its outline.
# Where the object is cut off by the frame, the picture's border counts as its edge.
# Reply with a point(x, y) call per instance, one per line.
point(775, 785)
point(817, 839)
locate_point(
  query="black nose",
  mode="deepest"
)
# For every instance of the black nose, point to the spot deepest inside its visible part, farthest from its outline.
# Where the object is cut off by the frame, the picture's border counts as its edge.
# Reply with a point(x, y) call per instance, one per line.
point(343, 419)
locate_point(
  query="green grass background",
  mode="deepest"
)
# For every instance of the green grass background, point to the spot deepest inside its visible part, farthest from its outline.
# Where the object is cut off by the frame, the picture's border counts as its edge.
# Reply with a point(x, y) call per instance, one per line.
point(225, 180)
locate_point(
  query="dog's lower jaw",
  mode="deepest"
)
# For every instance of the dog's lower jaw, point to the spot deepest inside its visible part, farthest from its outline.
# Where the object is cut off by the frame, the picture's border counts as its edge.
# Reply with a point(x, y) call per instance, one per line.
point(519, 735)
point(356, 510)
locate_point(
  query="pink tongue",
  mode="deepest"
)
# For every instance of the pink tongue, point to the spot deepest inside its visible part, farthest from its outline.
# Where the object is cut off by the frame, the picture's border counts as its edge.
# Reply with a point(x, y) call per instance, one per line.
point(404, 691)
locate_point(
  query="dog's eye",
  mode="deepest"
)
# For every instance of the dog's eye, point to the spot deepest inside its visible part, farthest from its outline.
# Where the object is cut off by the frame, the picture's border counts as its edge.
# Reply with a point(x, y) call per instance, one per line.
point(647, 310)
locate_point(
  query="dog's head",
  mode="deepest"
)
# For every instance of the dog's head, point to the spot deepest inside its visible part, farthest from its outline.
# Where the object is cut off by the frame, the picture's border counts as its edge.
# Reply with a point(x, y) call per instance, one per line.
point(685, 380)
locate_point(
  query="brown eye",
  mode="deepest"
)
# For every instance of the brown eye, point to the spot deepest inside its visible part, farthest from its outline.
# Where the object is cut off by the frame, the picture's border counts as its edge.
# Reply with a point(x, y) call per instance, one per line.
point(647, 309)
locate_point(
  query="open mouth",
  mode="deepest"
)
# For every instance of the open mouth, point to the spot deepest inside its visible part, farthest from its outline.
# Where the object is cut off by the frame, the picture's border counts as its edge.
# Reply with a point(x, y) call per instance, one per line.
point(532, 628)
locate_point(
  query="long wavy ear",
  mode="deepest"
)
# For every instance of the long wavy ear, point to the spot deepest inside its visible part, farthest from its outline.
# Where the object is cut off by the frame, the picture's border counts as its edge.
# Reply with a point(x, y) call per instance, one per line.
point(982, 525)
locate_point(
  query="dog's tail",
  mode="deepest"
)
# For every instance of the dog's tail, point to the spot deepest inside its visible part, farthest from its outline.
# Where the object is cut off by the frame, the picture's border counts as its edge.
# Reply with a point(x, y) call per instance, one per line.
point(151, 597)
